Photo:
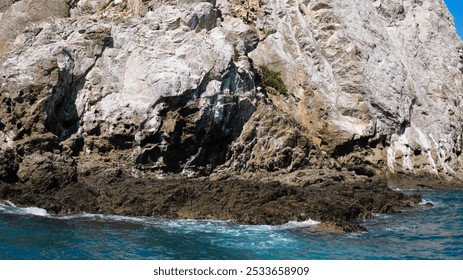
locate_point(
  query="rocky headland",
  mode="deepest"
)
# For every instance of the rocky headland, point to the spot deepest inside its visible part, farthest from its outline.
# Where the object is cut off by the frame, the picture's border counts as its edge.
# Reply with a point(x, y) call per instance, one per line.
point(253, 111)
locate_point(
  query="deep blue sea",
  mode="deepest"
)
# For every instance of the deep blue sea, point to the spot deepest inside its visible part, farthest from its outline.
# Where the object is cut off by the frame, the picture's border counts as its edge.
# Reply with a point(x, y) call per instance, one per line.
point(422, 233)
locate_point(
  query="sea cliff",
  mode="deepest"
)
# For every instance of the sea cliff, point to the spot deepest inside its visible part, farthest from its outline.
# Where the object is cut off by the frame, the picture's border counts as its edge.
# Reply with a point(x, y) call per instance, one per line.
point(252, 111)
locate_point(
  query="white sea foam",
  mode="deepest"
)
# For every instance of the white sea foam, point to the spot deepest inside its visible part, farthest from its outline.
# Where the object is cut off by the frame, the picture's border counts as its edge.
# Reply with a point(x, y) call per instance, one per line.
point(170, 225)
point(10, 203)
point(205, 226)
point(12, 209)
point(104, 217)
point(398, 229)
point(356, 235)
point(5, 205)
point(202, 226)
point(397, 189)
point(381, 216)
point(425, 202)
point(33, 211)
point(294, 224)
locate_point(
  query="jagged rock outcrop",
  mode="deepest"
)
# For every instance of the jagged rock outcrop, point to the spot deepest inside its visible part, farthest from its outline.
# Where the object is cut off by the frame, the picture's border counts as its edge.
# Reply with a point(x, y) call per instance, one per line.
point(149, 89)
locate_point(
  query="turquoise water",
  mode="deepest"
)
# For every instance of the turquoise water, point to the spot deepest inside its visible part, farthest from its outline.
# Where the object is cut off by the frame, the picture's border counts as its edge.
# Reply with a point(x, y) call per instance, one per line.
point(422, 233)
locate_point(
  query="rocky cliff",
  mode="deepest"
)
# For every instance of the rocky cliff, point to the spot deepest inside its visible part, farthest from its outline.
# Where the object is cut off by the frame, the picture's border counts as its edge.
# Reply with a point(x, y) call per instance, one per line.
point(300, 93)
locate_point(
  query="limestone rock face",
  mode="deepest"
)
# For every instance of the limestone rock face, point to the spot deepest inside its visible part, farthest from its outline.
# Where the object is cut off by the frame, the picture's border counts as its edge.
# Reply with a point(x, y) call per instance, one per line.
point(162, 87)
point(15, 15)
point(378, 83)
point(153, 93)
point(86, 7)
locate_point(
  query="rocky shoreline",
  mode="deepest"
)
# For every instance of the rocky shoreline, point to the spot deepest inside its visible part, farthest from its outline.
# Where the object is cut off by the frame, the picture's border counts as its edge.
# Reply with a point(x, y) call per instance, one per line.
point(257, 112)
point(337, 200)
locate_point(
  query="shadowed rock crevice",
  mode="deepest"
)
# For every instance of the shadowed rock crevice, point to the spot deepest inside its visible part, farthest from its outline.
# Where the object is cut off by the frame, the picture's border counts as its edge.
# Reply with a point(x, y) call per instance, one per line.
point(362, 155)
point(351, 146)
point(63, 120)
point(8, 166)
point(195, 139)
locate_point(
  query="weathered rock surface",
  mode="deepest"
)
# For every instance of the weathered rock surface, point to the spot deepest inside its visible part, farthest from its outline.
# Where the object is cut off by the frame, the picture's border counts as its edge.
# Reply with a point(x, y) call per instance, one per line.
point(377, 84)
point(97, 96)
point(237, 200)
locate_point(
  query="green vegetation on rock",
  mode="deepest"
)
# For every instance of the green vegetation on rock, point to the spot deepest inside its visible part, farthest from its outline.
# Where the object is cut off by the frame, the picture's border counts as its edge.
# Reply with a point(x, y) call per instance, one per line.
point(272, 80)
point(236, 54)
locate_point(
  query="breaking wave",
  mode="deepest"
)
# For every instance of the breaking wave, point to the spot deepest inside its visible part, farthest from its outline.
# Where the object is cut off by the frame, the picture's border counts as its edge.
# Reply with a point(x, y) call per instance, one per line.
point(12, 209)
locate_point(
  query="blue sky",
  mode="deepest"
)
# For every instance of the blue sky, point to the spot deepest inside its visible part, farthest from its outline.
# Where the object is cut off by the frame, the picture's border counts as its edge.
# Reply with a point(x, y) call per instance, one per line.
point(456, 8)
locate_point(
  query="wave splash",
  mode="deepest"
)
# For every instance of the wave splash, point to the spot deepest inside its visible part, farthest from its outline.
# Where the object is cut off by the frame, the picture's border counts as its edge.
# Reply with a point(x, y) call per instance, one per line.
point(9, 207)
point(304, 224)
point(169, 225)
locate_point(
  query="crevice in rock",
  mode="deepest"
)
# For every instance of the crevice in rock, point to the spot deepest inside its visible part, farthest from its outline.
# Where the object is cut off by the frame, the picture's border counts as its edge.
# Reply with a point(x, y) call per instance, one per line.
point(77, 147)
point(403, 126)
point(382, 110)
point(362, 171)
point(460, 51)
point(458, 152)
point(380, 141)
point(352, 154)
point(62, 118)
point(121, 142)
point(194, 139)
point(72, 4)
point(8, 166)
point(349, 146)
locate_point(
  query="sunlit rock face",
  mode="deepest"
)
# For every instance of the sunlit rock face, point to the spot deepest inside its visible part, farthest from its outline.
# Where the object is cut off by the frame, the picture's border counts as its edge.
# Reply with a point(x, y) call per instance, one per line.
point(167, 87)
point(377, 84)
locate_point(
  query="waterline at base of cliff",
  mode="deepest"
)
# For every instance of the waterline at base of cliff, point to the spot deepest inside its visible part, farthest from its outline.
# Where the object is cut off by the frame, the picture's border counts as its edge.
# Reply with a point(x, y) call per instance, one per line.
point(328, 196)
point(419, 233)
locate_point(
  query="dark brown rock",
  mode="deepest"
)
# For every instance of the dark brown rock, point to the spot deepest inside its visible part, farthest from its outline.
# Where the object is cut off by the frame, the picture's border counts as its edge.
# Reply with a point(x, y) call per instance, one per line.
point(8, 166)
point(236, 200)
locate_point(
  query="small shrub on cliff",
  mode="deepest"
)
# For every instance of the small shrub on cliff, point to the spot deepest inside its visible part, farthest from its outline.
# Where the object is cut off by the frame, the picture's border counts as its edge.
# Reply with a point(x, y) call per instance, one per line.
point(236, 54)
point(272, 79)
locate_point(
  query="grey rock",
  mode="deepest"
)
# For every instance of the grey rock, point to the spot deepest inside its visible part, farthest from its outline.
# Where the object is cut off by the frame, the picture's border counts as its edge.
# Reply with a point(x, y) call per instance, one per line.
point(156, 87)
point(373, 81)
point(15, 16)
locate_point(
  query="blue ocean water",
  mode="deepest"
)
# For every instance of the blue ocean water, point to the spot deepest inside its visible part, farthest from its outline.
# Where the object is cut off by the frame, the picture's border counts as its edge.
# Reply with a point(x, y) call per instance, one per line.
point(422, 233)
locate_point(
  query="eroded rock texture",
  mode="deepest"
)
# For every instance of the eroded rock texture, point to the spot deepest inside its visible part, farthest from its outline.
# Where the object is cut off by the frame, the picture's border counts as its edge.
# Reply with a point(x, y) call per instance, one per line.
point(147, 89)
point(378, 84)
